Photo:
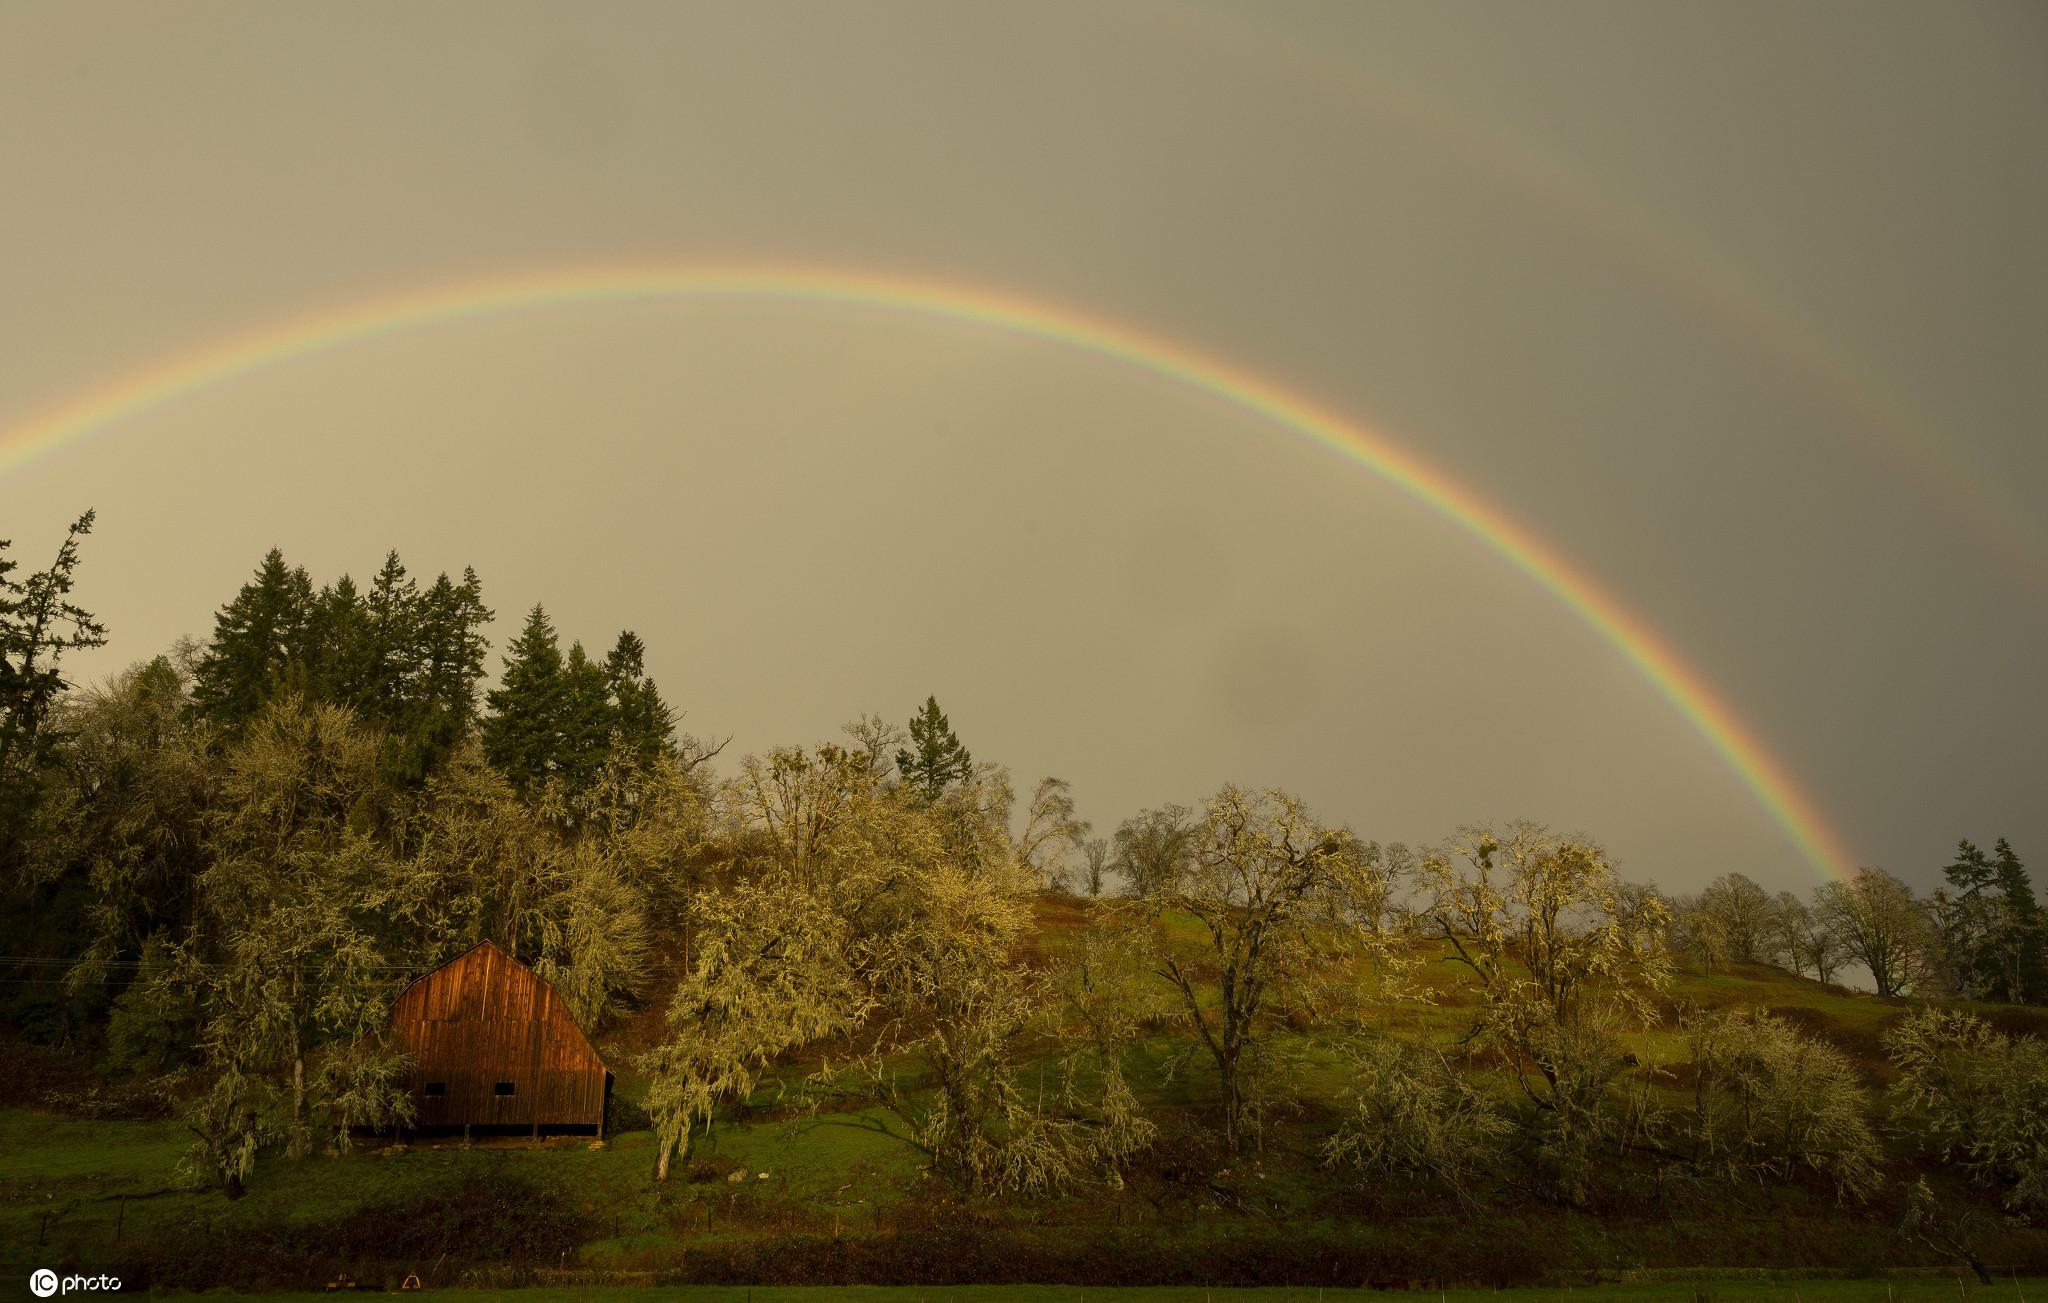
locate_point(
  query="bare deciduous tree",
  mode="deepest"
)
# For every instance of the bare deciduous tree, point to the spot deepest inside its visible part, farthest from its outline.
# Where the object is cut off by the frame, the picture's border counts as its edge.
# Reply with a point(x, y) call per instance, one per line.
point(1051, 830)
point(1096, 849)
point(1742, 911)
point(1557, 961)
point(1802, 941)
point(1153, 847)
point(1881, 926)
point(1256, 880)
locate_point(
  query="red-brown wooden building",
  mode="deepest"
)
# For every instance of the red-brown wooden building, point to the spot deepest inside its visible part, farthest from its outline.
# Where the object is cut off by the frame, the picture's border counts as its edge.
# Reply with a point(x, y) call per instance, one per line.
point(495, 1047)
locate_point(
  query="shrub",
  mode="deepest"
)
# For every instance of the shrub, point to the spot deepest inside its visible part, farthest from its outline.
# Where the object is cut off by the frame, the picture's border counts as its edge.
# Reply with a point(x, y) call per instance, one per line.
point(1976, 1098)
point(1413, 1115)
point(1770, 1103)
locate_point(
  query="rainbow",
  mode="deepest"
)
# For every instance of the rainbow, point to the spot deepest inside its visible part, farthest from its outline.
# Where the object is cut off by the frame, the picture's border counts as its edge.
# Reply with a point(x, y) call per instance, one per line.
point(318, 331)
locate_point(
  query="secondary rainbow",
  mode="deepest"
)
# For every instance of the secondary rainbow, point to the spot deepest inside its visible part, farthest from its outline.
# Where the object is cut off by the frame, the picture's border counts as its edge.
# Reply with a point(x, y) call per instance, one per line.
point(1851, 391)
point(318, 331)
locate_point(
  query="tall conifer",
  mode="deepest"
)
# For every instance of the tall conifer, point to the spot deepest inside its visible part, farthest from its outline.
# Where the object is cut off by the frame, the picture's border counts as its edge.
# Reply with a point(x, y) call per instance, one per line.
point(261, 642)
point(448, 658)
point(564, 717)
point(644, 723)
point(2027, 942)
point(585, 722)
point(939, 760)
point(404, 660)
point(522, 734)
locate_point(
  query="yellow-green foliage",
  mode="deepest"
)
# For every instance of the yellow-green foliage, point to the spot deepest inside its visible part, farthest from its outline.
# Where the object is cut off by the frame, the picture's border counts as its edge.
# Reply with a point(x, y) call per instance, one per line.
point(1770, 1102)
point(1413, 1115)
point(1977, 1097)
point(881, 911)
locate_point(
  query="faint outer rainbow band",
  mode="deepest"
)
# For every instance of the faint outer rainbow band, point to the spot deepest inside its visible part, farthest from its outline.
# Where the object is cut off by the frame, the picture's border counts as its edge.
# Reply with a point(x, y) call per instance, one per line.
point(301, 336)
point(1851, 391)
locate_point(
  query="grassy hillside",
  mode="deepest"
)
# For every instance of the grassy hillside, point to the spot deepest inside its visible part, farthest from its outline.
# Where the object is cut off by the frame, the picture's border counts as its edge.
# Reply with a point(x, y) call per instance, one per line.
point(843, 1197)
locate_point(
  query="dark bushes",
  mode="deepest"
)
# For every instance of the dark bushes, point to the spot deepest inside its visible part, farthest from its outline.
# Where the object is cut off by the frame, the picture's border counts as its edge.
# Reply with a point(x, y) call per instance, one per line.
point(622, 1115)
point(1277, 1255)
point(497, 1221)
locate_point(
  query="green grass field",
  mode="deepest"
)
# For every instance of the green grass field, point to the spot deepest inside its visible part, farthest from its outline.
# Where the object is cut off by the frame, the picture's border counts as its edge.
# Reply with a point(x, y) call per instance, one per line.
point(845, 1196)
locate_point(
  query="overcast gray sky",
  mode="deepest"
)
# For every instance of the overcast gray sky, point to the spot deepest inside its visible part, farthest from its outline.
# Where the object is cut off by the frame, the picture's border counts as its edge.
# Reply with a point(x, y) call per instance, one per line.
point(1742, 308)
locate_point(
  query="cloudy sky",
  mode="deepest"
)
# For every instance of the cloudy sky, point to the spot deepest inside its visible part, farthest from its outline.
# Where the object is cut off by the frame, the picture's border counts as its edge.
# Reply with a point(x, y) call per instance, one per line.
point(1741, 309)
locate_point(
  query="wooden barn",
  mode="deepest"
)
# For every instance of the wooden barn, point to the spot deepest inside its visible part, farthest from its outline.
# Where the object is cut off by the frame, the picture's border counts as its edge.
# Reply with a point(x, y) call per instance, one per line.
point(497, 1051)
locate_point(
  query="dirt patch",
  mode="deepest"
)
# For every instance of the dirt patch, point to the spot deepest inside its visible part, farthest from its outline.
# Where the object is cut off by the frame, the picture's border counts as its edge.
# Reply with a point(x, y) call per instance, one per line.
point(715, 1168)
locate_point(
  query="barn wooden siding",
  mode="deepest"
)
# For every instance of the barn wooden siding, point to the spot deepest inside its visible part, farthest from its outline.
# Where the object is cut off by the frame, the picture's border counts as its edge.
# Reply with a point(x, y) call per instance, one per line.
point(484, 1018)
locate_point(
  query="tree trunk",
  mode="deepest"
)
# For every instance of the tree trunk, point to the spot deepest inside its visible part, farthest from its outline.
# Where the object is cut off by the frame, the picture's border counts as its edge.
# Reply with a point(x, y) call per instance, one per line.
point(298, 1073)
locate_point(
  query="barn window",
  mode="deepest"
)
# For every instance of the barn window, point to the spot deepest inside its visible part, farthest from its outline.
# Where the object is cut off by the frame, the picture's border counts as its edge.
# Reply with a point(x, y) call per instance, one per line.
point(437, 1088)
point(502, 1088)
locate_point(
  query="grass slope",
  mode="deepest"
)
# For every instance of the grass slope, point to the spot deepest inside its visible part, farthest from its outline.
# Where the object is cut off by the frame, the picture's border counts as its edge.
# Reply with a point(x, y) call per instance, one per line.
point(844, 1198)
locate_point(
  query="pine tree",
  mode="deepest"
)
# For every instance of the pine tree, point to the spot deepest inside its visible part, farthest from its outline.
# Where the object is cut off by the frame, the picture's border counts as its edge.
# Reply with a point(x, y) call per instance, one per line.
point(644, 723)
point(445, 651)
point(404, 660)
point(940, 760)
point(522, 734)
point(1993, 926)
point(2022, 940)
point(585, 723)
point(261, 642)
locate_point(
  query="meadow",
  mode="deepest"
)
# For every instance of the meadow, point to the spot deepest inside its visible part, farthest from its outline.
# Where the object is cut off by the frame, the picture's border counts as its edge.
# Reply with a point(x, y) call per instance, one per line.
point(840, 1205)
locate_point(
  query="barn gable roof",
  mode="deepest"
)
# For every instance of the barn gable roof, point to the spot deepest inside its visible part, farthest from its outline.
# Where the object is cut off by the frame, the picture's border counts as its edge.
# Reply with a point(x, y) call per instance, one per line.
point(565, 1018)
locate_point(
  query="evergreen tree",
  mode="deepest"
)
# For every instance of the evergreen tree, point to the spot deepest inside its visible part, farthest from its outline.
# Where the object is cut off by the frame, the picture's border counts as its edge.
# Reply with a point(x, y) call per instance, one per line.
point(565, 717)
point(386, 655)
point(343, 642)
point(522, 734)
point(1993, 926)
point(38, 624)
point(2023, 940)
point(939, 760)
point(1972, 874)
point(261, 644)
point(444, 657)
point(585, 724)
point(644, 723)
point(1966, 912)
point(393, 656)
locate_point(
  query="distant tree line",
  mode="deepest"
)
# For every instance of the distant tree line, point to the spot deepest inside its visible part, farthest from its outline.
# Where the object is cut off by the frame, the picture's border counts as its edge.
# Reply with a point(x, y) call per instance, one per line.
point(1981, 937)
